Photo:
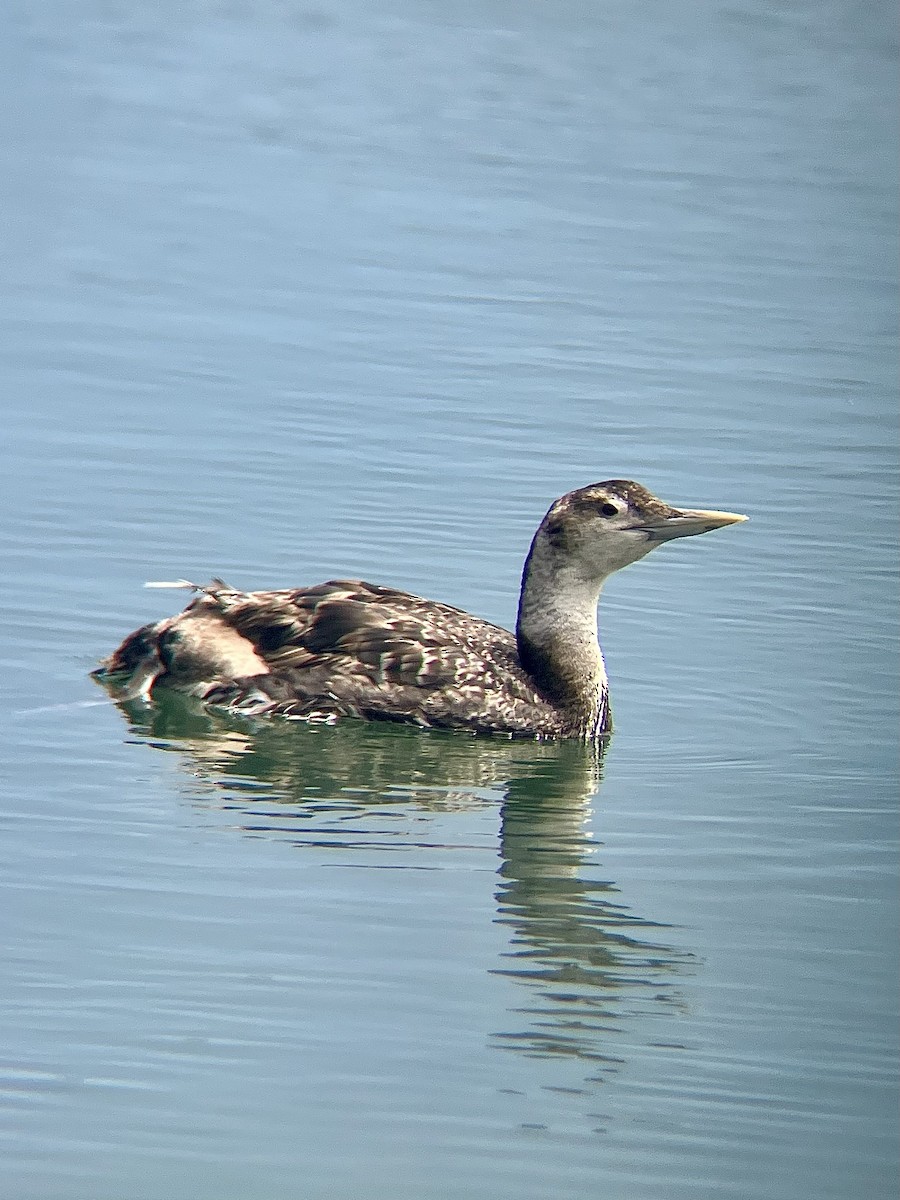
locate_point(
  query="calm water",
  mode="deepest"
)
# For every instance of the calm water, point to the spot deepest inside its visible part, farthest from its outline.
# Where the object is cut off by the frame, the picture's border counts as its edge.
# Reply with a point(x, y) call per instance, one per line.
point(290, 292)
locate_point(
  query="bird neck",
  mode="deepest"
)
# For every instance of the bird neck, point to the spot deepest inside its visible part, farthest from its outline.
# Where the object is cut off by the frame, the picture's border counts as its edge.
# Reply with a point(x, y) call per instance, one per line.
point(556, 632)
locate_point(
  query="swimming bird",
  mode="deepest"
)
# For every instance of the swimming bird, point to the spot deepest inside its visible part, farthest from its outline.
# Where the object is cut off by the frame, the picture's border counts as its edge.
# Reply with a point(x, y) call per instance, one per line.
point(349, 648)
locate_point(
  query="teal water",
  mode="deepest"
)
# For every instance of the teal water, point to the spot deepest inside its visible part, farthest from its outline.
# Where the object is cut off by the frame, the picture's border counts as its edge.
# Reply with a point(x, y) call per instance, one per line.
point(295, 292)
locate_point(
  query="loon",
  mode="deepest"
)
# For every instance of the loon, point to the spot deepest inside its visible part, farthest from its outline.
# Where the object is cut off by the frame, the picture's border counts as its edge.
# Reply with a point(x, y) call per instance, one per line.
point(349, 648)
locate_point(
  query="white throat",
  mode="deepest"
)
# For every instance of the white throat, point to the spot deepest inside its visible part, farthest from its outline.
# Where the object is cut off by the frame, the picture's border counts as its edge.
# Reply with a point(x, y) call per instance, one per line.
point(557, 629)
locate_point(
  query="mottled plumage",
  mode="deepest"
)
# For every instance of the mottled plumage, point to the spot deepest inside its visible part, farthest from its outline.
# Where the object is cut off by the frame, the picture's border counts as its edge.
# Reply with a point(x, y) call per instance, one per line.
point(349, 648)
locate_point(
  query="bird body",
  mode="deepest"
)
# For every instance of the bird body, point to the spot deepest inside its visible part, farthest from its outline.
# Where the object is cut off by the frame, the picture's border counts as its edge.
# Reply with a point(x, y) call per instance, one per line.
point(350, 648)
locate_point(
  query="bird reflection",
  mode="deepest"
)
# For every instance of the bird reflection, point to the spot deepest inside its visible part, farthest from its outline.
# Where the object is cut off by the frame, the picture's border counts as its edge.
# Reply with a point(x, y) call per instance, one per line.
point(587, 961)
point(586, 964)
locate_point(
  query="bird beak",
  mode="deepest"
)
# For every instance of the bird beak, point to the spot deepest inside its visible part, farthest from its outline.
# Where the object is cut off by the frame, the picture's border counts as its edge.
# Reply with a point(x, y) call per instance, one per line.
point(685, 522)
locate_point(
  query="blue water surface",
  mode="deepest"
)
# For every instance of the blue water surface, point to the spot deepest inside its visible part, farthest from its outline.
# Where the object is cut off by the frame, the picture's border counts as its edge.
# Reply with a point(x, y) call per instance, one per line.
point(293, 292)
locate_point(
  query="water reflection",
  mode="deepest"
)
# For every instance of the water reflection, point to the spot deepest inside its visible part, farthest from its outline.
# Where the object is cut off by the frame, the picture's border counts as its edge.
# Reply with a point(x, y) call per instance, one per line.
point(585, 962)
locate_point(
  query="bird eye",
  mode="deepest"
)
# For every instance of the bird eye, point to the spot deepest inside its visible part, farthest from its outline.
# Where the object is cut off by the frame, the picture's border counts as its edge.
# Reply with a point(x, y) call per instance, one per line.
point(609, 510)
